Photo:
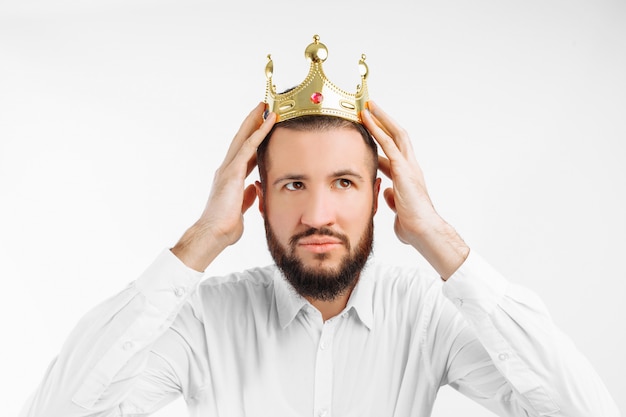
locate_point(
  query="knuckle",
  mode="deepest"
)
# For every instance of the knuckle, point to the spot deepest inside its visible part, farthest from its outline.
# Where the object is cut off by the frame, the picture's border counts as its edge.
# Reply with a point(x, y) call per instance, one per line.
point(248, 146)
point(219, 172)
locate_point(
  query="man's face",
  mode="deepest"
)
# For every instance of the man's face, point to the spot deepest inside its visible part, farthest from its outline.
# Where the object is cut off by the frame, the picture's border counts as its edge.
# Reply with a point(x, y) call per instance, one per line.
point(318, 206)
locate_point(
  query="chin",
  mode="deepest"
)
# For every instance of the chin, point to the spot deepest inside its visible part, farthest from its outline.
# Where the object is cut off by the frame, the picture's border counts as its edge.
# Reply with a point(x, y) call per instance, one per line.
point(325, 260)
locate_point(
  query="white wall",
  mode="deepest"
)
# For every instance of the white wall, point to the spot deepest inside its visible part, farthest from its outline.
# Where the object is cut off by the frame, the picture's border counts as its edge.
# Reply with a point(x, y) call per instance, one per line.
point(113, 118)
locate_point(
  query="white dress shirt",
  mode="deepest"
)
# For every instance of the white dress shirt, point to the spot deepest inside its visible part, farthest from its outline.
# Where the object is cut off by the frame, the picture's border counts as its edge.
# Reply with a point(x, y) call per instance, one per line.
point(247, 345)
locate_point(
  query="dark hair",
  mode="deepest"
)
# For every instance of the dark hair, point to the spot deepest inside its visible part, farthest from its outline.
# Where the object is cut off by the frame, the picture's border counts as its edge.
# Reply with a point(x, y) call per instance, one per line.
point(315, 123)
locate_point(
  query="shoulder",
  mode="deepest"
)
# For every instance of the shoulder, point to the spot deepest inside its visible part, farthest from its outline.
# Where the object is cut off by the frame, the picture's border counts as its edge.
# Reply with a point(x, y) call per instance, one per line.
point(247, 281)
point(401, 293)
point(402, 281)
point(236, 290)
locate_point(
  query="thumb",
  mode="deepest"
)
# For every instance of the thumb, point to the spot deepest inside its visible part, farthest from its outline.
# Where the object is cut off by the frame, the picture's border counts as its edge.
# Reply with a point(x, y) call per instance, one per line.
point(249, 195)
point(390, 198)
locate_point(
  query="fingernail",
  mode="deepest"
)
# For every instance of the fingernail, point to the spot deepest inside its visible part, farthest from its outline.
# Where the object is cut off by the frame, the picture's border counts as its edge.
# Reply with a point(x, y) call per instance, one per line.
point(268, 115)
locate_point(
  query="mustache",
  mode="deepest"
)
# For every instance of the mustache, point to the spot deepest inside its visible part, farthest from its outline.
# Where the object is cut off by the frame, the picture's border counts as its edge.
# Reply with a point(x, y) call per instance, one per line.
point(322, 231)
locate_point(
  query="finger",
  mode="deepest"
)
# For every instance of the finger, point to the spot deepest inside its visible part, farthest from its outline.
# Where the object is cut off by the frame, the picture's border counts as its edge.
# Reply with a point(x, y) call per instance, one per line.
point(390, 198)
point(385, 141)
point(376, 121)
point(247, 153)
point(251, 165)
point(384, 165)
point(248, 126)
point(249, 195)
point(398, 134)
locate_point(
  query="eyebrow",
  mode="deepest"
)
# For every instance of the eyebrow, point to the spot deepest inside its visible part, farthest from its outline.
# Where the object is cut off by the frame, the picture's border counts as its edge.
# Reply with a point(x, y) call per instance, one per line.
point(300, 177)
point(290, 177)
point(347, 173)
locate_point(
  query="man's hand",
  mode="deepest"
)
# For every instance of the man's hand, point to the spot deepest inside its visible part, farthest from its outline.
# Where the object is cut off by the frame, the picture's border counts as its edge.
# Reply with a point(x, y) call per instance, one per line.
point(417, 223)
point(221, 223)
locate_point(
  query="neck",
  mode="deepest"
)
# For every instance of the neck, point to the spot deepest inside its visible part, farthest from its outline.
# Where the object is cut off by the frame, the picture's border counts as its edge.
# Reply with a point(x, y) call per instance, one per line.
point(331, 308)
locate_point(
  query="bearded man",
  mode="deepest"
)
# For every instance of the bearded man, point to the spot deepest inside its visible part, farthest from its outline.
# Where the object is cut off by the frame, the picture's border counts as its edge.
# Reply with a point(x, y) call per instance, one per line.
point(323, 332)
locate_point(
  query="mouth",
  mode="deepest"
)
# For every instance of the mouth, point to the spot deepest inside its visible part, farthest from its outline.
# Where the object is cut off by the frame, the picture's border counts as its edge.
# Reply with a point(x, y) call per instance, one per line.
point(319, 244)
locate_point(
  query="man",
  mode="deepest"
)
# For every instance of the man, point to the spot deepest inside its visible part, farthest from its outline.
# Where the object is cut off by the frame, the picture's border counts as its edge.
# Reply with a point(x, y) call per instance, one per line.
point(323, 333)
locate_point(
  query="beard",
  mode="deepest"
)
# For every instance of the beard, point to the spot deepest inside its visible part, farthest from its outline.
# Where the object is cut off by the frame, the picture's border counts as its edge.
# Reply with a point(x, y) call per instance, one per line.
point(324, 284)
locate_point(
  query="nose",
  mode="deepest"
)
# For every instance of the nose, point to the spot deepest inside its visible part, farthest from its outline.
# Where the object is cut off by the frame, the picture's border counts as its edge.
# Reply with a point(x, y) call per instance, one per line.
point(319, 209)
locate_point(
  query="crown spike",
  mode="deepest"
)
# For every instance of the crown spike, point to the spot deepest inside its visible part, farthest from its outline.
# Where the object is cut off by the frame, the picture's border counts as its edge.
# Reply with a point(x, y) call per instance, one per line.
point(363, 68)
point(316, 95)
point(269, 67)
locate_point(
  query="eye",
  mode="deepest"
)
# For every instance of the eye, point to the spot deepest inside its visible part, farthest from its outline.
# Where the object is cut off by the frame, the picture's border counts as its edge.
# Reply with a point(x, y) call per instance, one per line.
point(342, 184)
point(294, 186)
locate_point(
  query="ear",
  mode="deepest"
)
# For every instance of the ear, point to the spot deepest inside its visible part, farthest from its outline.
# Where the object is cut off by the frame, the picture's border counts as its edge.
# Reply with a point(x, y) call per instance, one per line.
point(376, 193)
point(259, 194)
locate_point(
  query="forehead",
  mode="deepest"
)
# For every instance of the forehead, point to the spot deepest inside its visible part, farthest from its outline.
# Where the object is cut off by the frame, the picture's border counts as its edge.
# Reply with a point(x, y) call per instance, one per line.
point(318, 150)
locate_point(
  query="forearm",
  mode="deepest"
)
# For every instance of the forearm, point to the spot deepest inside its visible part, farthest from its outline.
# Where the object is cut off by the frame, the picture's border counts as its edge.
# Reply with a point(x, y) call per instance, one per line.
point(543, 367)
point(108, 349)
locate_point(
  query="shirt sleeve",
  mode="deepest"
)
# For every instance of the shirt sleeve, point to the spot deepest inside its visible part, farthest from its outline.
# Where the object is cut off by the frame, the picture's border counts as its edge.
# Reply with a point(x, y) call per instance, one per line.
point(529, 363)
point(106, 355)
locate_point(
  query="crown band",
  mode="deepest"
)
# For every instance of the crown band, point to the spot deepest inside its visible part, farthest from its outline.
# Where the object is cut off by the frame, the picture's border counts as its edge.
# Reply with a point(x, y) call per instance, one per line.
point(316, 95)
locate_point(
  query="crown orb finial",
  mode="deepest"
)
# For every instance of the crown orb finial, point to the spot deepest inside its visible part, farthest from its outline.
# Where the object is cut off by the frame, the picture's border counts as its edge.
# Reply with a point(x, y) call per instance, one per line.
point(316, 51)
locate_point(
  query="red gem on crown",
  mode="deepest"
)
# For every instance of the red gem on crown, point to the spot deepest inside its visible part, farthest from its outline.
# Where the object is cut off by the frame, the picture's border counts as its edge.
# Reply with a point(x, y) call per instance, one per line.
point(317, 98)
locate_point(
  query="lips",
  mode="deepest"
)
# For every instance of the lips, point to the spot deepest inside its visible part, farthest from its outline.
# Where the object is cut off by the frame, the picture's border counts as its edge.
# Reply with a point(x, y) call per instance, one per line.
point(319, 244)
point(319, 240)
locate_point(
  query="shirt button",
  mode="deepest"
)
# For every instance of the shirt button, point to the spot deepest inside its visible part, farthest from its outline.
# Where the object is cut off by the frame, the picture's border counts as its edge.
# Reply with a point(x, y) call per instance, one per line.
point(323, 345)
point(323, 412)
point(179, 292)
point(128, 345)
point(503, 356)
point(459, 302)
point(345, 315)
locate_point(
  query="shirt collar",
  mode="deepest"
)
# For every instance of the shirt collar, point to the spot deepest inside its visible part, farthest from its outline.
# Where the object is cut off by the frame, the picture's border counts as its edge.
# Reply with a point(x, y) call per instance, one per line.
point(289, 302)
point(362, 297)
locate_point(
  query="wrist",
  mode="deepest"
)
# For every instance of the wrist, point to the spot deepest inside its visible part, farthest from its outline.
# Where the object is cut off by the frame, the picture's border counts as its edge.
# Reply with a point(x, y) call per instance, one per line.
point(199, 246)
point(441, 245)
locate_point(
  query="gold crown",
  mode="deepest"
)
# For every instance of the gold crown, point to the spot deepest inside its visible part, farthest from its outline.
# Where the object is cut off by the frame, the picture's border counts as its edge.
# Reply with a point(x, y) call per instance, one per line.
point(316, 95)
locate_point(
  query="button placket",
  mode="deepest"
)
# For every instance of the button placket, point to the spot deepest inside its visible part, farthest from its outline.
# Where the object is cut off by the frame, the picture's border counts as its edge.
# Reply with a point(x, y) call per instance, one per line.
point(324, 371)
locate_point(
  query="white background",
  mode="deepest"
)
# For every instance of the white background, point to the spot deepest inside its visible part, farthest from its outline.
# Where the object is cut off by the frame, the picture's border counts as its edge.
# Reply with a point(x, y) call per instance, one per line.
point(114, 116)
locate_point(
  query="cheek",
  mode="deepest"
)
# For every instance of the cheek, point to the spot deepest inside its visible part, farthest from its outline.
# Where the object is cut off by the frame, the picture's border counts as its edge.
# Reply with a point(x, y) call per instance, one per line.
point(284, 206)
point(282, 218)
point(356, 217)
point(278, 207)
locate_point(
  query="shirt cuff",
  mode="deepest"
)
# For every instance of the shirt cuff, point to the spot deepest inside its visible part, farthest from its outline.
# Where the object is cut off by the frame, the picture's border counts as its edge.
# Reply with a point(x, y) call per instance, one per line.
point(165, 285)
point(167, 280)
point(476, 287)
